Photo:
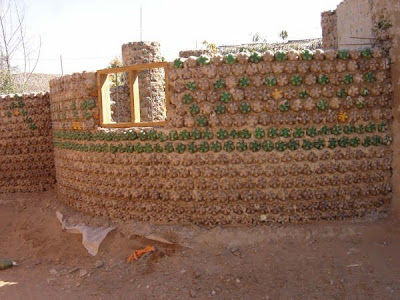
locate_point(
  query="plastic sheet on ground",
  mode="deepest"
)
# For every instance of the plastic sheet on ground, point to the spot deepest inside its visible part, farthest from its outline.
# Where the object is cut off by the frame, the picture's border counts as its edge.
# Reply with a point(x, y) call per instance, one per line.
point(91, 236)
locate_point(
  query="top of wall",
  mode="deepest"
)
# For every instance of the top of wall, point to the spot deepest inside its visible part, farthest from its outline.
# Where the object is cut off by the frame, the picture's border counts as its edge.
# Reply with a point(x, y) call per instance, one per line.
point(39, 95)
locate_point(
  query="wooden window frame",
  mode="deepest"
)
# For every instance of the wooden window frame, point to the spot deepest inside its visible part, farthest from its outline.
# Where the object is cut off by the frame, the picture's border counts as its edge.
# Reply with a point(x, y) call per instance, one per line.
point(133, 72)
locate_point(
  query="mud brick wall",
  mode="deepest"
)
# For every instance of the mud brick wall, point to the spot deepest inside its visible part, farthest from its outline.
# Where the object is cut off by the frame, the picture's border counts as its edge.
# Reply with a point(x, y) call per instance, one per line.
point(329, 30)
point(279, 137)
point(356, 24)
point(386, 16)
point(385, 27)
point(26, 147)
point(152, 96)
point(380, 20)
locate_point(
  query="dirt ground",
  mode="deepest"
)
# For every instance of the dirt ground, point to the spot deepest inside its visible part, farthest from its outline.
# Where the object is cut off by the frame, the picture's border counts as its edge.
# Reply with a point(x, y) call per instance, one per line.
point(343, 260)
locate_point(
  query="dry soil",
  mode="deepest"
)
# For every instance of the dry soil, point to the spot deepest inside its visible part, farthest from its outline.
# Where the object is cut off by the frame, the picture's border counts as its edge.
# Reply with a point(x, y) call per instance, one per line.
point(343, 260)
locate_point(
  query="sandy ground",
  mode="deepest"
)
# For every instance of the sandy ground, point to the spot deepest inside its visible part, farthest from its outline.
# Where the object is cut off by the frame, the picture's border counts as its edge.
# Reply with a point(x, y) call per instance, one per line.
point(325, 261)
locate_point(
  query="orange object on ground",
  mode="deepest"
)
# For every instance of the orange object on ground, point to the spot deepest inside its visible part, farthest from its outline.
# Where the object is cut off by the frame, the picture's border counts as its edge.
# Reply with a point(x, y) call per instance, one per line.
point(138, 253)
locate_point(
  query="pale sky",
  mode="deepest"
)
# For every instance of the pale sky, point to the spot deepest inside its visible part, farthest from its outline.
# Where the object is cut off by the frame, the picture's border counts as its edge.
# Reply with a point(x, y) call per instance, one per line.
point(89, 33)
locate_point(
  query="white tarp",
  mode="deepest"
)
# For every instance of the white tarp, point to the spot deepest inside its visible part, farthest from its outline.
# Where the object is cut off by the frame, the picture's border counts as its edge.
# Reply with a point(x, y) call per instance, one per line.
point(91, 236)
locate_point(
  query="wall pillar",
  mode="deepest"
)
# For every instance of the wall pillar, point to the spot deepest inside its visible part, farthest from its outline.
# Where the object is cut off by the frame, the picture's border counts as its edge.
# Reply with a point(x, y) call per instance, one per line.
point(151, 88)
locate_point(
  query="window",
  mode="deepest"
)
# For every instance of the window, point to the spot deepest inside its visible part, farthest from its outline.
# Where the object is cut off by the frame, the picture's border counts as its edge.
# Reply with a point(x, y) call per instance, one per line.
point(132, 96)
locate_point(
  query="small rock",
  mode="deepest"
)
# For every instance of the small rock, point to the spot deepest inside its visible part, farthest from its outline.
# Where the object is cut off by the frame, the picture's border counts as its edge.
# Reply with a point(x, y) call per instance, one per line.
point(78, 284)
point(192, 293)
point(352, 251)
point(99, 264)
point(237, 280)
point(50, 280)
point(197, 275)
point(53, 272)
point(82, 273)
point(73, 270)
point(235, 251)
point(331, 282)
point(213, 293)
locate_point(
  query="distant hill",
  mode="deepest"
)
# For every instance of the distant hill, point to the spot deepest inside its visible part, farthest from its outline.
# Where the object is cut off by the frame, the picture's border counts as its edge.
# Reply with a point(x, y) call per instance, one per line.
point(310, 44)
point(37, 82)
